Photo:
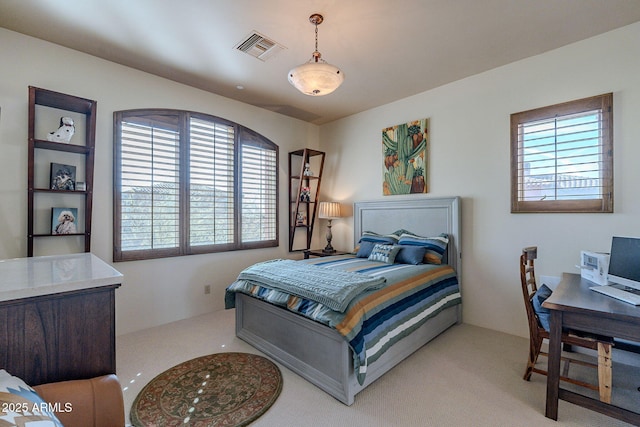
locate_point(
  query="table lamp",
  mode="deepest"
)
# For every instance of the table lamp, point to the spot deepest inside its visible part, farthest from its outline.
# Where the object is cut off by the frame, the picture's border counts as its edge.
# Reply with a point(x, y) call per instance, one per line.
point(330, 211)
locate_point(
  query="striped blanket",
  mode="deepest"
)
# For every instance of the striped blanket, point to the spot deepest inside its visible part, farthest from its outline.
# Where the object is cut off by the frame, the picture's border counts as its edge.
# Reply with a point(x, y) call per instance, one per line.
point(376, 319)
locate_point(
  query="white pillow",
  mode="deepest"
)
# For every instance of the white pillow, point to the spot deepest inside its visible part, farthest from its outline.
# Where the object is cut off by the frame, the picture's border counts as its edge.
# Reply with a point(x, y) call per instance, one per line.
point(21, 406)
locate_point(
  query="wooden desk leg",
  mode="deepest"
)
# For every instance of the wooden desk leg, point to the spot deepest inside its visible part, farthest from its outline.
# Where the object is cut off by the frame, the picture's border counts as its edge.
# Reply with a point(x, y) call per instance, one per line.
point(604, 372)
point(553, 368)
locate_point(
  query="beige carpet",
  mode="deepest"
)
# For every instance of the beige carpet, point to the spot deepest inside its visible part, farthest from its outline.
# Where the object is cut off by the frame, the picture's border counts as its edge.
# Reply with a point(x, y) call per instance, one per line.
point(468, 376)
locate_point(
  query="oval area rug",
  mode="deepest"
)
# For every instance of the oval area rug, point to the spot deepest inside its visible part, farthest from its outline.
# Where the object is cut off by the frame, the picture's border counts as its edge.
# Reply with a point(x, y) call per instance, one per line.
point(222, 389)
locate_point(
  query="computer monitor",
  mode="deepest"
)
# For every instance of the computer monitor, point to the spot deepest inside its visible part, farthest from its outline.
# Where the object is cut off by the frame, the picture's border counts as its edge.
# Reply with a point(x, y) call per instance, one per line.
point(624, 262)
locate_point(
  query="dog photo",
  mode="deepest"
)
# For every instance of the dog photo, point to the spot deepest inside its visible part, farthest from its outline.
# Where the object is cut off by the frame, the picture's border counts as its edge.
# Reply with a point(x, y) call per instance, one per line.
point(63, 221)
point(63, 177)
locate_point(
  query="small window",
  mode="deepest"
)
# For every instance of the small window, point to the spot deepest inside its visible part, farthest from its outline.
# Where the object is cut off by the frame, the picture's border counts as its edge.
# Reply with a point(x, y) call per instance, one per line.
point(189, 183)
point(562, 157)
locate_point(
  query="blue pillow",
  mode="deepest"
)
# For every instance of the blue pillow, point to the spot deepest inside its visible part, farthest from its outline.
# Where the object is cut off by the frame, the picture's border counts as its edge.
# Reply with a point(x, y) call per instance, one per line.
point(543, 313)
point(436, 246)
point(410, 254)
point(365, 248)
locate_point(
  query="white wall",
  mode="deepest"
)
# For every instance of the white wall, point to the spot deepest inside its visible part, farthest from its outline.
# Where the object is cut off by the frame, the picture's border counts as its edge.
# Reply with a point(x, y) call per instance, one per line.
point(469, 157)
point(153, 292)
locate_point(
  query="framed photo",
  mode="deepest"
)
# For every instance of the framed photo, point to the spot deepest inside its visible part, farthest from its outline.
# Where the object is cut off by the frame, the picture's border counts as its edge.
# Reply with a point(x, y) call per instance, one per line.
point(404, 158)
point(63, 177)
point(301, 219)
point(63, 221)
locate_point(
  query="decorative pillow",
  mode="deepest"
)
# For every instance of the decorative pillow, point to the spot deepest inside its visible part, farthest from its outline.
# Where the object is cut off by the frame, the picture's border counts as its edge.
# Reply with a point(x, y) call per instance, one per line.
point(364, 248)
point(436, 247)
point(21, 406)
point(543, 313)
point(411, 254)
point(384, 253)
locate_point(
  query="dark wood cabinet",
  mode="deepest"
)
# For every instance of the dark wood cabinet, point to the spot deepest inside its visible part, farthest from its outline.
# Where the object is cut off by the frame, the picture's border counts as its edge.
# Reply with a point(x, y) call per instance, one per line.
point(57, 317)
point(59, 337)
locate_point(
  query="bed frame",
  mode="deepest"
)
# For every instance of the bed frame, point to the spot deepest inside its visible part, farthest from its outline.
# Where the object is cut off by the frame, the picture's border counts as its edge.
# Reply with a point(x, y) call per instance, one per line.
point(318, 353)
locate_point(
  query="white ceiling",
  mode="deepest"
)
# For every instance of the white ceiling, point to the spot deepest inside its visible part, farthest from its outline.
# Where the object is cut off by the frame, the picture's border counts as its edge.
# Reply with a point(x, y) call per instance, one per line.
point(388, 50)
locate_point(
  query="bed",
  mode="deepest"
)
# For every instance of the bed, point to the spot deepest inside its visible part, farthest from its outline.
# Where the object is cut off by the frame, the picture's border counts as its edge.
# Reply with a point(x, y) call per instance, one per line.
point(322, 355)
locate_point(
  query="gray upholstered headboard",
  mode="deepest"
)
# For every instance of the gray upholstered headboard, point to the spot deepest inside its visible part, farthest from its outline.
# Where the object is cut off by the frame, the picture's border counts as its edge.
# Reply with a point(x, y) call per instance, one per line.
point(425, 217)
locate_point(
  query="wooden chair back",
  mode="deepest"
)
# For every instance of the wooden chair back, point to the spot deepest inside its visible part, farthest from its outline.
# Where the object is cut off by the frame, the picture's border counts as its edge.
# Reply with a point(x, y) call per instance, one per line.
point(529, 287)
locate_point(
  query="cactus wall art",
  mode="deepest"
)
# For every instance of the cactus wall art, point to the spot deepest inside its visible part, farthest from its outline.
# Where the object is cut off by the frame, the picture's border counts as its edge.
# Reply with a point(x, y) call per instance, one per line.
point(405, 152)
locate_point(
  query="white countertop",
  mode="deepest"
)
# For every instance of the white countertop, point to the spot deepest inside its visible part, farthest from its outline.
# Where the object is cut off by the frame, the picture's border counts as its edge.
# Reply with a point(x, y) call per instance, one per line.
point(45, 275)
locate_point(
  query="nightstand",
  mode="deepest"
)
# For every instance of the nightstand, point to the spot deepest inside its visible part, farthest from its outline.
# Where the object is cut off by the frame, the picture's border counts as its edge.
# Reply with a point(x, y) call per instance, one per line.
point(319, 252)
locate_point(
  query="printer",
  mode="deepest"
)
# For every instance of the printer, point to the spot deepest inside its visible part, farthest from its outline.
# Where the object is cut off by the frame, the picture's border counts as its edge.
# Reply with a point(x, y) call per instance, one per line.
point(594, 266)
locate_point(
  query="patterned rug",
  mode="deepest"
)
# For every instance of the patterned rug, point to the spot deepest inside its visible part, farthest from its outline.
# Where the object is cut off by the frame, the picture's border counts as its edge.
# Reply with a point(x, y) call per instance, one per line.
point(223, 389)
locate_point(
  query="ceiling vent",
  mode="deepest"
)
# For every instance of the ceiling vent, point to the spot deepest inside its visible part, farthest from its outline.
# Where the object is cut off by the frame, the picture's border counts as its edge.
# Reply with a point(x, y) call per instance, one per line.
point(259, 46)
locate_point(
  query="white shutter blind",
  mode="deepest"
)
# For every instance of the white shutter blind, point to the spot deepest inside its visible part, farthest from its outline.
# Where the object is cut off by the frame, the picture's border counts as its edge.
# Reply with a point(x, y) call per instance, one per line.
point(211, 177)
point(259, 185)
point(561, 158)
point(149, 187)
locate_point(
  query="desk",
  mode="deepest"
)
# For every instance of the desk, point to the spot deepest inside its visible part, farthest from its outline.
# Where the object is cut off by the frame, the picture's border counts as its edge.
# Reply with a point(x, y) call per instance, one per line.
point(57, 317)
point(573, 305)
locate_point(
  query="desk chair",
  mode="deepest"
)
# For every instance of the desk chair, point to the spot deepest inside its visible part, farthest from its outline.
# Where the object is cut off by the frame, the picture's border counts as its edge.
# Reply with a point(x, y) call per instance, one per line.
point(537, 334)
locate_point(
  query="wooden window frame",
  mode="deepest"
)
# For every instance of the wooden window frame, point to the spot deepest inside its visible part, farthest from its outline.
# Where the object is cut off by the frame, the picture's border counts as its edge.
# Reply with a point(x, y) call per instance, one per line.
point(242, 137)
point(603, 104)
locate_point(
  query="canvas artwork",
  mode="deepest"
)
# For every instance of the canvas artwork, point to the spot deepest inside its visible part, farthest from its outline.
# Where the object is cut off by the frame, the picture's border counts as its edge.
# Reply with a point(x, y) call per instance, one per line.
point(63, 221)
point(63, 177)
point(404, 148)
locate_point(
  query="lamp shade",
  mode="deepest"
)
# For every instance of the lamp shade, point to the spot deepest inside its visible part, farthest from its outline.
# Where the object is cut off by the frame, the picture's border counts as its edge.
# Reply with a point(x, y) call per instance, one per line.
point(329, 210)
point(316, 78)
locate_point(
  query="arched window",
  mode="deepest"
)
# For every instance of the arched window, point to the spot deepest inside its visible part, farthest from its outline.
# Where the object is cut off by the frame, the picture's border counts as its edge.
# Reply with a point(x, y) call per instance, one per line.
point(190, 183)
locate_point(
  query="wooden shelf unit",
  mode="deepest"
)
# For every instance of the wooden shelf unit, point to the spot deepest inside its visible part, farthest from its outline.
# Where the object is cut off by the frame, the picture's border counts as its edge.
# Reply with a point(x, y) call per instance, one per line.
point(298, 180)
point(74, 104)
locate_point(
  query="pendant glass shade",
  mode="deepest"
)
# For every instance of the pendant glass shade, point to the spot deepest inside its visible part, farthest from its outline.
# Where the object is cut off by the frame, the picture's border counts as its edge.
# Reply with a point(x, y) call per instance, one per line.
point(316, 77)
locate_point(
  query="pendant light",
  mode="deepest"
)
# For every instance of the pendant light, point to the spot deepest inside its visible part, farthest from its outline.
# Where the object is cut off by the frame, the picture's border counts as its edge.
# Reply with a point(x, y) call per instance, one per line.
point(316, 77)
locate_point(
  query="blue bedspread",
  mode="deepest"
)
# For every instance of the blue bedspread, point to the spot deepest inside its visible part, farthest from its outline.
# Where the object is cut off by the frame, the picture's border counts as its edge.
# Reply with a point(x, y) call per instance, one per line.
point(332, 288)
point(378, 318)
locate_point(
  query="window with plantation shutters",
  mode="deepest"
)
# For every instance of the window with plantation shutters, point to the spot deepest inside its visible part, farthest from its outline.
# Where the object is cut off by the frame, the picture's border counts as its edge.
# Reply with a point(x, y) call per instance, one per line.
point(188, 183)
point(259, 187)
point(211, 183)
point(562, 157)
